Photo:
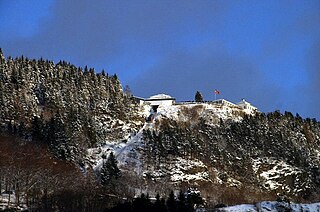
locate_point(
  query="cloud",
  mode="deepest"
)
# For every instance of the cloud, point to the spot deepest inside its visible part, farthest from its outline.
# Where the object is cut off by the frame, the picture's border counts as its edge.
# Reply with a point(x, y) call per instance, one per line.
point(115, 32)
point(312, 90)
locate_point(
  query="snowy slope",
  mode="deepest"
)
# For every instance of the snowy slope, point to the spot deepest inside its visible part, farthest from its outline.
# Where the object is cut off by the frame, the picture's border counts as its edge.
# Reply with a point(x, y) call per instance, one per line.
point(205, 110)
point(272, 206)
point(129, 153)
point(231, 151)
point(273, 173)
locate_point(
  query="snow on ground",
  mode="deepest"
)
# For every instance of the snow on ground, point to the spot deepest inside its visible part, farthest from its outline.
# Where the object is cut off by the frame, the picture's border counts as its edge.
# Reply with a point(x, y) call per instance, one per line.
point(272, 206)
point(306, 207)
point(130, 153)
point(127, 153)
point(189, 170)
point(180, 170)
point(8, 200)
point(168, 111)
point(274, 172)
point(129, 150)
point(238, 208)
point(145, 110)
point(129, 156)
point(209, 111)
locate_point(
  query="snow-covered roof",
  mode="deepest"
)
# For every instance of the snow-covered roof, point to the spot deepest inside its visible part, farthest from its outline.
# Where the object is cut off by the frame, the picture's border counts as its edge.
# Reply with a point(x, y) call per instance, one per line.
point(160, 96)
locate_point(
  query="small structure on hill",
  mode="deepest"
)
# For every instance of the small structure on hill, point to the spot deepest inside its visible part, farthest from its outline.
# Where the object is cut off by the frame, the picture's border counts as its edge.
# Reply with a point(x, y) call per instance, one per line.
point(246, 105)
point(243, 105)
point(166, 100)
point(160, 99)
point(157, 100)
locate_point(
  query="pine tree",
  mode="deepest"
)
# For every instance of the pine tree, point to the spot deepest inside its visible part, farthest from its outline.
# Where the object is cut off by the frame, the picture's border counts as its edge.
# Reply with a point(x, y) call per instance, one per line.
point(37, 129)
point(57, 137)
point(2, 58)
point(171, 202)
point(193, 198)
point(159, 205)
point(109, 171)
point(198, 97)
point(182, 202)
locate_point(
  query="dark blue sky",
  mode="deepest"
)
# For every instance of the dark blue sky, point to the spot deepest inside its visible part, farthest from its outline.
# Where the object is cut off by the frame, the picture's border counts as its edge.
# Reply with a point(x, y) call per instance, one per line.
point(265, 51)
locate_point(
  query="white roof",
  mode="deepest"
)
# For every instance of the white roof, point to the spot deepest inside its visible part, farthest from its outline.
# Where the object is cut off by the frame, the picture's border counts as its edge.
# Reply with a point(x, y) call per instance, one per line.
point(161, 96)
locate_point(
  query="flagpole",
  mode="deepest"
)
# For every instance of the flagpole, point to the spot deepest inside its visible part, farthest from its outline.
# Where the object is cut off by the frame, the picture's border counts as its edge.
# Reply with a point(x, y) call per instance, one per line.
point(215, 96)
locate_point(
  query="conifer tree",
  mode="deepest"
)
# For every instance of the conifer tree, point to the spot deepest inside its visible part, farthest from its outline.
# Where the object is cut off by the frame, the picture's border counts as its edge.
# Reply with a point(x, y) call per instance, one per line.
point(2, 58)
point(193, 198)
point(109, 170)
point(159, 205)
point(182, 202)
point(171, 202)
point(37, 129)
point(198, 97)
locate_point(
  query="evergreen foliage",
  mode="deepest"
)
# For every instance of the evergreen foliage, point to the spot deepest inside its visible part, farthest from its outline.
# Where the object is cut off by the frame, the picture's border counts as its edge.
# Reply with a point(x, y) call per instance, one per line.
point(281, 137)
point(198, 97)
point(66, 107)
point(171, 202)
point(185, 203)
point(109, 171)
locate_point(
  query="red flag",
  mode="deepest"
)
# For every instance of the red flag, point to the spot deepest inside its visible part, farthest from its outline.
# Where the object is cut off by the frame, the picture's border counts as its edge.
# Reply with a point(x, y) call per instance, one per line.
point(216, 91)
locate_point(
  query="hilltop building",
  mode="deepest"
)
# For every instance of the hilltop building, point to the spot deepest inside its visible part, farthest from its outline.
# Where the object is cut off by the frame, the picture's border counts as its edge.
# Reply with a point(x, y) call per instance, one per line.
point(166, 100)
point(246, 105)
point(157, 100)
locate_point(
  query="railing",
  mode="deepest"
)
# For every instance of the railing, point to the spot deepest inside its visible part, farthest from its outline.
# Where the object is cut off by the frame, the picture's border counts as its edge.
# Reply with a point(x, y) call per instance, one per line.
point(194, 102)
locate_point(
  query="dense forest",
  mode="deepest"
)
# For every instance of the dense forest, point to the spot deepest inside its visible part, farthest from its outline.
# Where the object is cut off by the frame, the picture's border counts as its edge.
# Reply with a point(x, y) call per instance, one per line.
point(67, 107)
point(243, 150)
point(49, 115)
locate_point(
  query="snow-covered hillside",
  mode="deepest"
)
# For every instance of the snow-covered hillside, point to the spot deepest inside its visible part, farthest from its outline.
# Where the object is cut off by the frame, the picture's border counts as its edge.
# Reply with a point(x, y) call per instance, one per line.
point(130, 152)
point(191, 111)
point(199, 143)
point(272, 207)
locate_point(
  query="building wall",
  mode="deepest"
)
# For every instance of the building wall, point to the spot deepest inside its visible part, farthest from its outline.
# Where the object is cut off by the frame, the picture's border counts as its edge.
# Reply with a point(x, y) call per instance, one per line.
point(224, 102)
point(161, 102)
point(247, 107)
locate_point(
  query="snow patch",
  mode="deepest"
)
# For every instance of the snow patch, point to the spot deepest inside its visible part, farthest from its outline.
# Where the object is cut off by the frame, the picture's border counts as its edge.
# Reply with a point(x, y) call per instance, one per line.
point(274, 172)
point(210, 112)
point(272, 206)
point(180, 170)
point(127, 152)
